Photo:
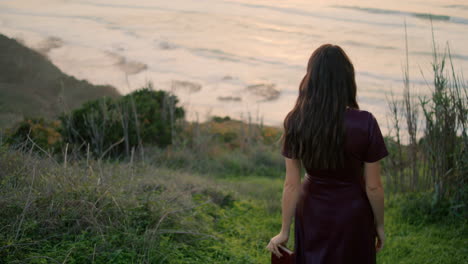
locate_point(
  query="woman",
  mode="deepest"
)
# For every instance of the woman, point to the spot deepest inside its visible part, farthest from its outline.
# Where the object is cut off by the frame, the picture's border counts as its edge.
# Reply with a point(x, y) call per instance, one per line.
point(339, 207)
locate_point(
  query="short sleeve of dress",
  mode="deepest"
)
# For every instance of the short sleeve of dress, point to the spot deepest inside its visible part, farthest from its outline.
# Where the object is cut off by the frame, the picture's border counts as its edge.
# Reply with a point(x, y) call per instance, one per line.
point(376, 148)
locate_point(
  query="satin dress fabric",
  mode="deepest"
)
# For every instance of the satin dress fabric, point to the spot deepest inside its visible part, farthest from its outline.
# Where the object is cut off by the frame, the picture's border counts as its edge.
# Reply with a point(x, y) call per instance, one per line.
point(334, 222)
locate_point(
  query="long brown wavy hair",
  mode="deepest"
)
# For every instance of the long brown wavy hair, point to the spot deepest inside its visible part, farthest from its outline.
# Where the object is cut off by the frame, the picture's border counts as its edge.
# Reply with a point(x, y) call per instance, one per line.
point(314, 129)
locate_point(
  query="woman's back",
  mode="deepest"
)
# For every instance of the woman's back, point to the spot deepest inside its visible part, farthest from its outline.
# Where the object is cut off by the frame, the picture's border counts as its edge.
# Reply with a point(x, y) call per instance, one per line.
point(339, 146)
point(334, 222)
point(363, 143)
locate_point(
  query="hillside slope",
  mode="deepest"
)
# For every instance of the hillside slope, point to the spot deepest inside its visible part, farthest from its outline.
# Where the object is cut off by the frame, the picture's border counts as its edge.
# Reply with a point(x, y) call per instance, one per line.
point(30, 85)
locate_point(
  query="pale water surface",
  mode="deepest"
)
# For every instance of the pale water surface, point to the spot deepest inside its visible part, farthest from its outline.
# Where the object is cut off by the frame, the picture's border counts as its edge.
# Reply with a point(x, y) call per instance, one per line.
point(209, 52)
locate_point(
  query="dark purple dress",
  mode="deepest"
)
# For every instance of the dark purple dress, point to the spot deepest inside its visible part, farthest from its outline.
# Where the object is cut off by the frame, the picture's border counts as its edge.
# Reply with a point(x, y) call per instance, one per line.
point(334, 222)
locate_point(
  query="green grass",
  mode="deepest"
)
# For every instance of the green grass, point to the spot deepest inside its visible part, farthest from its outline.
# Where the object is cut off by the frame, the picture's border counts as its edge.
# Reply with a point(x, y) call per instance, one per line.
point(410, 241)
point(118, 213)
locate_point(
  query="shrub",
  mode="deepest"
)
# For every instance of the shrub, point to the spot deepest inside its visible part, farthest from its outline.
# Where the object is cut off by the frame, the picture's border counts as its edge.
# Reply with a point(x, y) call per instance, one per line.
point(44, 133)
point(436, 162)
point(116, 126)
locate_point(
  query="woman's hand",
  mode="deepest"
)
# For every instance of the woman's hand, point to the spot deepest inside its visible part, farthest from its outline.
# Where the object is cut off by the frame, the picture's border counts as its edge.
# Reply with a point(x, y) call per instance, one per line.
point(280, 239)
point(380, 238)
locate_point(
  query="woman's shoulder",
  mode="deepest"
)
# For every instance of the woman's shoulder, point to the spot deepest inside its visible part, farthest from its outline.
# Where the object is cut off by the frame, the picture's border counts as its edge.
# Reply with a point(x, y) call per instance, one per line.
point(360, 119)
point(367, 141)
point(360, 113)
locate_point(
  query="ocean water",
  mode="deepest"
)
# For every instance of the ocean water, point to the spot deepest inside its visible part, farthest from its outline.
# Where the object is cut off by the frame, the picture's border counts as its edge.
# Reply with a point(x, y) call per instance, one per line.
point(237, 57)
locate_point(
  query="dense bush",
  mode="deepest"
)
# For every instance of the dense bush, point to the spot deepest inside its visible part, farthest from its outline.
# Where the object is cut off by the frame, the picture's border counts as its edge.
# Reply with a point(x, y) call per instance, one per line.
point(42, 134)
point(115, 126)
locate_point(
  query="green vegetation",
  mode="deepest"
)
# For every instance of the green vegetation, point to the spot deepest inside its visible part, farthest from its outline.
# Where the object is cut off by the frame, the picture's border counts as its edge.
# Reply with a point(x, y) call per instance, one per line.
point(44, 133)
point(437, 162)
point(413, 238)
point(141, 213)
point(204, 198)
point(144, 115)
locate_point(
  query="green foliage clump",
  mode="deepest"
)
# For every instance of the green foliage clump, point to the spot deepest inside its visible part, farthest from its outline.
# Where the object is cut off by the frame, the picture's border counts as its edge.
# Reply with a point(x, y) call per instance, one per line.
point(43, 133)
point(118, 125)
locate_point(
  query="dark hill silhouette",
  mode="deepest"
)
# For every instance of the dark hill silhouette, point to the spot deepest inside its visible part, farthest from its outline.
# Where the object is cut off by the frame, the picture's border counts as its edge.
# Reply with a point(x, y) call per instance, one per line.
point(30, 85)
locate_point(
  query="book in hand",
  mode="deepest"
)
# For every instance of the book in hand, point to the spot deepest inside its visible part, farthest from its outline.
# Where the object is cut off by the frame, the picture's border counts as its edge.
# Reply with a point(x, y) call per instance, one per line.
point(286, 258)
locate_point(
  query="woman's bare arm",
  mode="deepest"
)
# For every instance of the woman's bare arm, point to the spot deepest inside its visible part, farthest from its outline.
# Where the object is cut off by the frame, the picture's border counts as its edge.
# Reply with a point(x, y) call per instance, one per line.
point(291, 192)
point(375, 191)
